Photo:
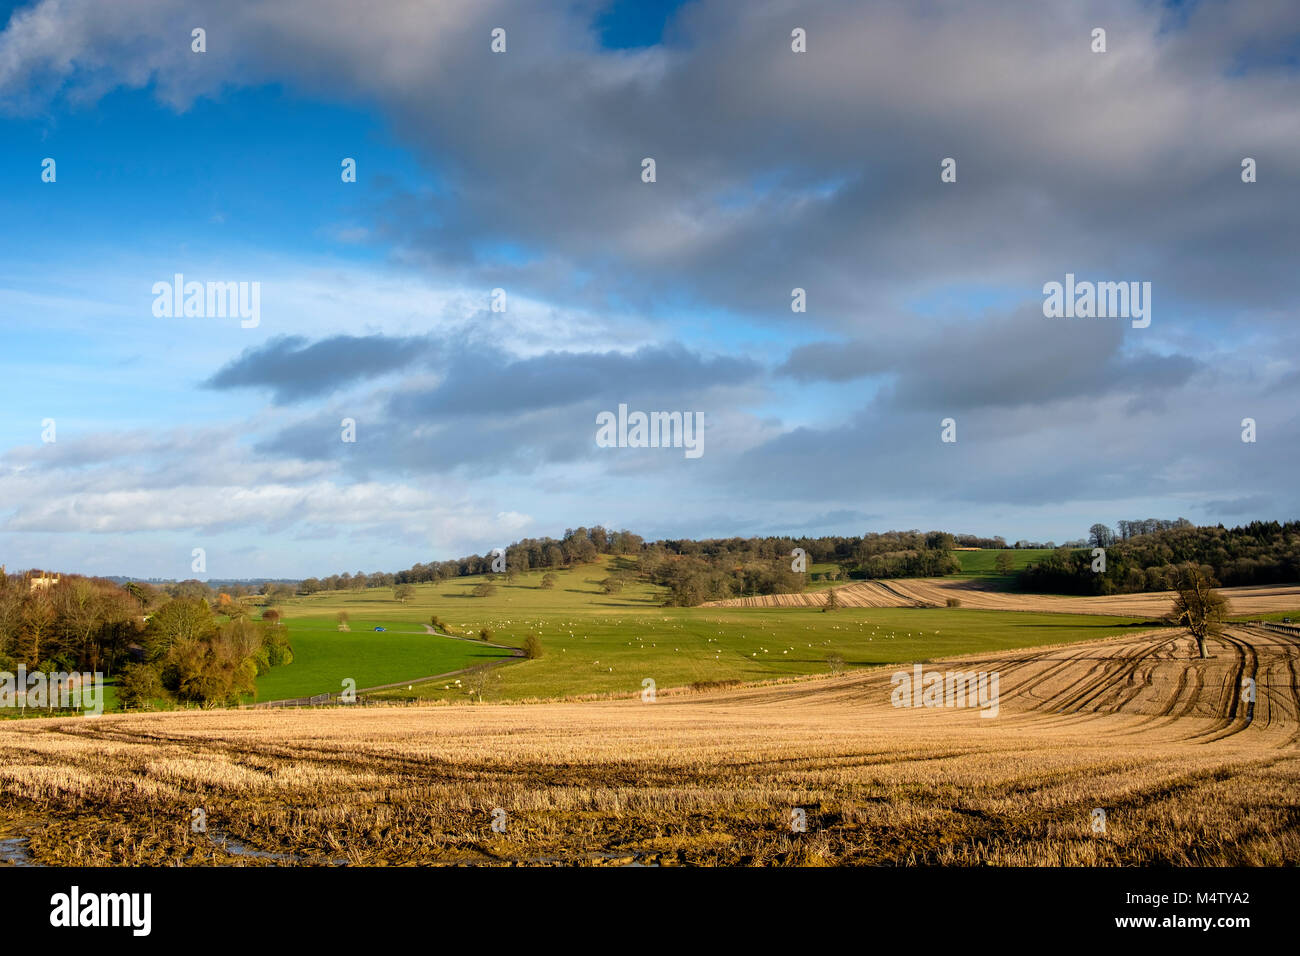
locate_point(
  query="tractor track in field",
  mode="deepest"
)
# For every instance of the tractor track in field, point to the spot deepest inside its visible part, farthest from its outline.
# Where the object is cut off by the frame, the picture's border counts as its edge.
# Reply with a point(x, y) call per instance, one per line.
point(1137, 724)
point(936, 592)
point(1158, 678)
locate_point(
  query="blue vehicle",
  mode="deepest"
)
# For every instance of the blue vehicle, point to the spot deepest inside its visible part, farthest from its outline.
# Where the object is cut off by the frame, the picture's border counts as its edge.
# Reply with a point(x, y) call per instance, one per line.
point(381, 629)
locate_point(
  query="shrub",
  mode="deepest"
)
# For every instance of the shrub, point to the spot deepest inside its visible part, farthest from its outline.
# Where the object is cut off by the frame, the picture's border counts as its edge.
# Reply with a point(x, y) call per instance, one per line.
point(532, 647)
point(485, 634)
point(277, 649)
point(549, 580)
point(953, 602)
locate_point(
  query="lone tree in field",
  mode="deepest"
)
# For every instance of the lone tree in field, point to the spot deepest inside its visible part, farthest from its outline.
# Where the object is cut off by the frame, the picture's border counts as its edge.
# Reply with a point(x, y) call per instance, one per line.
point(532, 647)
point(484, 589)
point(1197, 606)
point(832, 601)
point(404, 592)
point(271, 617)
point(549, 580)
point(1003, 562)
point(835, 662)
point(343, 621)
point(478, 681)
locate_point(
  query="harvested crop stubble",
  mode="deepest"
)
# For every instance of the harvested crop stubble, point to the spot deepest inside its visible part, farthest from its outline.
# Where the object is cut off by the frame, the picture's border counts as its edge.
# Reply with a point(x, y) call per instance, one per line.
point(935, 592)
point(1186, 773)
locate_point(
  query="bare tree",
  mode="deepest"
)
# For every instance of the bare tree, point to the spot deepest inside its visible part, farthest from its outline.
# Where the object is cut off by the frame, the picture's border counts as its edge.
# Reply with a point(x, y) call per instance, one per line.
point(1197, 606)
point(478, 681)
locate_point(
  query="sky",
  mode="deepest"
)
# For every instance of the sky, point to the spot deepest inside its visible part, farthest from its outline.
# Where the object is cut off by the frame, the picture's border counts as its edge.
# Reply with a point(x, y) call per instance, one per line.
point(516, 179)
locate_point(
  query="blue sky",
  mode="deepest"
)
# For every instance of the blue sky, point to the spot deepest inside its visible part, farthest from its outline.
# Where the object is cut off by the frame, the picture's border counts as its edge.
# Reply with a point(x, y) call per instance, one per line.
point(521, 171)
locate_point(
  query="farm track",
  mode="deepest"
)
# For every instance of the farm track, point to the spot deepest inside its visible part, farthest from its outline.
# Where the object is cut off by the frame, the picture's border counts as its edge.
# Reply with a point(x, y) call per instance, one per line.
point(1135, 724)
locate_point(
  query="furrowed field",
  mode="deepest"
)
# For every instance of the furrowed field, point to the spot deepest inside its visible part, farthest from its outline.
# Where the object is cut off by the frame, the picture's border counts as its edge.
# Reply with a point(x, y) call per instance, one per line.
point(1184, 773)
point(760, 715)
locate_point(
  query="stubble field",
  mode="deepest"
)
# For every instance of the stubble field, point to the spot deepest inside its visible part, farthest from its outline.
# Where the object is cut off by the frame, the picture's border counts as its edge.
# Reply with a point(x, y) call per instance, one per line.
point(1184, 771)
point(980, 595)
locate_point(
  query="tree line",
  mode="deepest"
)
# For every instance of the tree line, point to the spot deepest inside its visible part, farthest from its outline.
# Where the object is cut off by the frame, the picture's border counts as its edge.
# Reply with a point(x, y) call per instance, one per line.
point(1262, 552)
point(693, 570)
point(161, 646)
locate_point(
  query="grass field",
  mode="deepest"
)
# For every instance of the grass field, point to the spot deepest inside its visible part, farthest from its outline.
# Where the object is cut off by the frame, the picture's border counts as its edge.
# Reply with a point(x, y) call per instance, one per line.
point(980, 564)
point(324, 656)
point(597, 643)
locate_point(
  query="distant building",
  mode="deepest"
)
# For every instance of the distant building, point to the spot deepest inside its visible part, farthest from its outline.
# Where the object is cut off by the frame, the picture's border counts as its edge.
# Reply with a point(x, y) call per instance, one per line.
point(43, 583)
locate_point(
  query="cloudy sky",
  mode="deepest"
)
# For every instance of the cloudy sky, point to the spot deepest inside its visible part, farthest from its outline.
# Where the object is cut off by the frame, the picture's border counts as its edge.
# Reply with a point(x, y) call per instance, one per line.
point(522, 171)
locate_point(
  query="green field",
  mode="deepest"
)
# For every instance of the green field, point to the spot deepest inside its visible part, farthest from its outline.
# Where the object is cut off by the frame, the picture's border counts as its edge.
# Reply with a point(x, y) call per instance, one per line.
point(1292, 617)
point(323, 656)
point(609, 643)
point(981, 562)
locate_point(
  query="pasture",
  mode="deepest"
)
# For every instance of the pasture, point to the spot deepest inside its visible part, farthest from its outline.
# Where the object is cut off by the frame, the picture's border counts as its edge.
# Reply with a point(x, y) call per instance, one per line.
point(981, 563)
point(598, 643)
point(324, 656)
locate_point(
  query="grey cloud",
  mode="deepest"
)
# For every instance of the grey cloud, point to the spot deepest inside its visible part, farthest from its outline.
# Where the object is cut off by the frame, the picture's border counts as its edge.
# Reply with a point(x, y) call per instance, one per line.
point(487, 383)
point(293, 369)
point(775, 169)
point(1252, 505)
point(1019, 359)
point(492, 412)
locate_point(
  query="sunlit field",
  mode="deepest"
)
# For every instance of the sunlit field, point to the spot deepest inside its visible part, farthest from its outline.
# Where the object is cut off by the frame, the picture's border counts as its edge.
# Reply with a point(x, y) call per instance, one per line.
point(1183, 773)
point(597, 643)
